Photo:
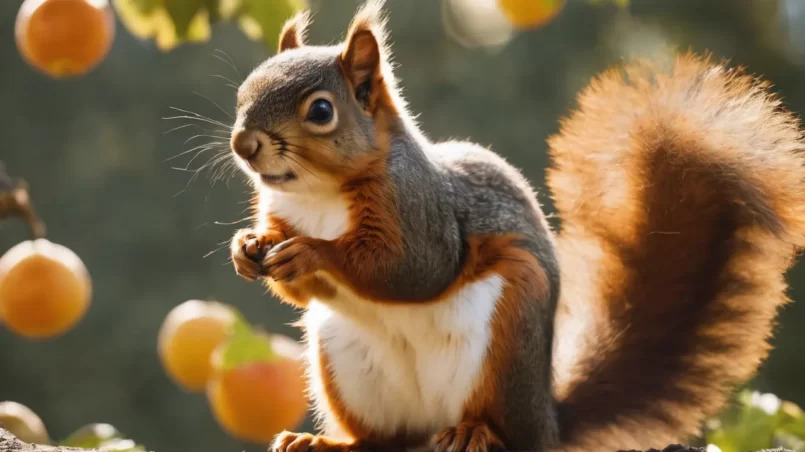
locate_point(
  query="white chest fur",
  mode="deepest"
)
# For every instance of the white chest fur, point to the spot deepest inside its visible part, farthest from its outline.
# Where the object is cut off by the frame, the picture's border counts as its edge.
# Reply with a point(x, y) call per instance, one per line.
point(319, 216)
point(395, 366)
point(403, 367)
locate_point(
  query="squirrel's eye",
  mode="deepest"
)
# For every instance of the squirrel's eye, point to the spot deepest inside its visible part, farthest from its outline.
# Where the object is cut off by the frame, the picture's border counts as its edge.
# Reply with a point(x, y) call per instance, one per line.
point(320, 112)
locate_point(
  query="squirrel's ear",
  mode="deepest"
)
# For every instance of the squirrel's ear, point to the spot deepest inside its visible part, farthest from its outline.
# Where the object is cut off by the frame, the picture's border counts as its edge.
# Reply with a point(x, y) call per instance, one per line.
point(365, 54)
point(293, 31)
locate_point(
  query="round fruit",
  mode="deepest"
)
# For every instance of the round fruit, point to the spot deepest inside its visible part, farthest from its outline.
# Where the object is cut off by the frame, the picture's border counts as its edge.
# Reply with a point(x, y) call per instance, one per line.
point(45, 289)
point(256, 399)
point(23, 423)
point(64, 38)
point(187, 338)
point(530, 13)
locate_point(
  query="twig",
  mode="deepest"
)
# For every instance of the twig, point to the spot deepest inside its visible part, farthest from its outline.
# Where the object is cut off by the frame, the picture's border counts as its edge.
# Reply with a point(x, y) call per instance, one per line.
point(16, 202)
point(10, 443)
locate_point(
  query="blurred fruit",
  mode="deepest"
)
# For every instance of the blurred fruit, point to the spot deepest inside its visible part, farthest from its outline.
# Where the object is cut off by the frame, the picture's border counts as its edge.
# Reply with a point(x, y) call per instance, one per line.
point(23, 423)
point(45, 289)
point(530, 13)
point(476, 23)
point(187, 338)
point(258, 389)
point(64, 38)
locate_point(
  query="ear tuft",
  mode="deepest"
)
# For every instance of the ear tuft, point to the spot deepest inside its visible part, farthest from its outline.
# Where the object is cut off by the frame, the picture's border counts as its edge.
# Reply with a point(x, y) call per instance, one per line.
point(294, 31)
point(370, 18)
point(365, 58)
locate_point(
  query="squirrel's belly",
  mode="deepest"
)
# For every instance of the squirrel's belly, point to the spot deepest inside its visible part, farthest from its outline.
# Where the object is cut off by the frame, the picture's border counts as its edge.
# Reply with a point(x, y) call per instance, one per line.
point(395, 368)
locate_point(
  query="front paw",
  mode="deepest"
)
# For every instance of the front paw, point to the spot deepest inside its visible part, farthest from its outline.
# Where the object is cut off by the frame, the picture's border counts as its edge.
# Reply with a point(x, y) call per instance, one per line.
point(292, 259)
point(467, 437)
point(248, 249)
point(305, 442)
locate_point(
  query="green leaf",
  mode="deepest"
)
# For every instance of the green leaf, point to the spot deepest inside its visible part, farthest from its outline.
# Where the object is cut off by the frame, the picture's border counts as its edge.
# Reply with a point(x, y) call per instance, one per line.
point(159, 25)
point(758, 421)
point(121, 445)
point(270, 15)
point(723, 440)
point(182, 13)
point(104, 437)
point(92, 436)
point(146, 6)
point(245, 346)
point(791, 420)
point(213, 8)
point(748, 425)
point(138, 22)
point(618, 3)
point(230, 8)
point(789, 441)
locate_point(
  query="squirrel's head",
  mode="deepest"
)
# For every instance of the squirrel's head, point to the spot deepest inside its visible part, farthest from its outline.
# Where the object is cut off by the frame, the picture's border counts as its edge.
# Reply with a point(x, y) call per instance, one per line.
point(312, 117)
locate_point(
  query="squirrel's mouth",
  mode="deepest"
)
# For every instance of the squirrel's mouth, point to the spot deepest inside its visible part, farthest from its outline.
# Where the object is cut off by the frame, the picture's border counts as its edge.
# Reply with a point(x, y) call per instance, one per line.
point(271, 179)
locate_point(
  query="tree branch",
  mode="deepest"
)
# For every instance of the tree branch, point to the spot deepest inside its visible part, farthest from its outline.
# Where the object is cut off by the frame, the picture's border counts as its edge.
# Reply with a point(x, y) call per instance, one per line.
point(9, 443)
point(16, 202)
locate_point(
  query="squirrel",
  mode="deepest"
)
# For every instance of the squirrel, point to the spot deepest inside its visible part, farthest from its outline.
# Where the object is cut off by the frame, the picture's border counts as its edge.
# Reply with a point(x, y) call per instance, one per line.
point(441, 311)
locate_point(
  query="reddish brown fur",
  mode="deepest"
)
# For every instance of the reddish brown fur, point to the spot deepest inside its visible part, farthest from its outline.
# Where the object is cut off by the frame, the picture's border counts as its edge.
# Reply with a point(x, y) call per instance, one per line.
point(293, 32)
point(373, 242)
point(364, 60)
point(469, 437)
point(305, 442)
point(255, 243)
point(370, 247)
point(526, 283)
point(681, 195)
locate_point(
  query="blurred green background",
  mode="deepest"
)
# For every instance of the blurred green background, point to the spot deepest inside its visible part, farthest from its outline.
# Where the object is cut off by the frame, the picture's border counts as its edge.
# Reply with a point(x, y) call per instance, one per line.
point(94, 150)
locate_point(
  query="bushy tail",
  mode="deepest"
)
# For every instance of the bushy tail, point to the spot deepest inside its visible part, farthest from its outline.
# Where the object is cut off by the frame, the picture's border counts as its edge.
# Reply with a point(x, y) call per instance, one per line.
point(681, 190)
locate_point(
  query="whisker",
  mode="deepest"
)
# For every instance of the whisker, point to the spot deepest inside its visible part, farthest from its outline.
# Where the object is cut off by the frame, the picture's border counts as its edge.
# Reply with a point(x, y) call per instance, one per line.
point(233, 171)
point(199, 116)
point(214, 251)
point(218, 173)
point(323, 145)
point(231, 83)
point(214, 103)
point(187, 166)
point(217, 163)
point(220, 223)
point(221, 137)
point(200, 148)
point(209, 121)
point(221, 156)
point(300, 165)
point(347, 164)
point(228, 61)
point(197, 126)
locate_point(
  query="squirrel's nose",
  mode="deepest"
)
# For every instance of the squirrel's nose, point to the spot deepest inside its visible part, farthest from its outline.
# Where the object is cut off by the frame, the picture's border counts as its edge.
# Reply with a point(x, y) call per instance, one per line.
point(245, 143)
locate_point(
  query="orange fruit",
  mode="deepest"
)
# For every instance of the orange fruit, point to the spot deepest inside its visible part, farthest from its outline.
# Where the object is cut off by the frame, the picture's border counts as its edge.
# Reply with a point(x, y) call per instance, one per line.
point(254, 396)
point(45, 289)
point(23, 423)
point(64, 38)
point(187, 338)
point(530, 13)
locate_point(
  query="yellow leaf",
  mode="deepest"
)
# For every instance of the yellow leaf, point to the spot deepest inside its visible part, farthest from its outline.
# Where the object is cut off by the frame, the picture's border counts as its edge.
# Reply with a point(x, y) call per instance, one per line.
point(157, 25)
point(137, 23)
point(251, 28)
